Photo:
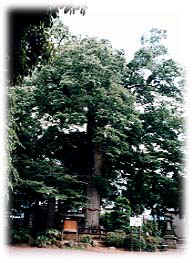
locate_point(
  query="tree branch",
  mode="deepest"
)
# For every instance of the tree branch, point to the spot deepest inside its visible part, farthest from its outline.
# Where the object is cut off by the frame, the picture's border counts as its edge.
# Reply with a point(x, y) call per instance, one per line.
point(140, 86)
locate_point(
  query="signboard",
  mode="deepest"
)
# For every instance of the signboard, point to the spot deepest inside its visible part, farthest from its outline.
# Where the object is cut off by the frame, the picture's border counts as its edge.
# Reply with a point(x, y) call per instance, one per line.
point(136, 221)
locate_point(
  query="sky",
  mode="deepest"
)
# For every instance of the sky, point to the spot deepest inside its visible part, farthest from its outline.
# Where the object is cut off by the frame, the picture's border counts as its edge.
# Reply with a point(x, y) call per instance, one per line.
point(123, 24)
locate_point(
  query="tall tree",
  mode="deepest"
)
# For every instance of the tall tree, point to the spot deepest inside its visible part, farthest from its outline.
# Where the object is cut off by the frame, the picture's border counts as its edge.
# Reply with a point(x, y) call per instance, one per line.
point(80, 90)
point(28, 38)
point(34, 175)
point(155, 172)
point(106, 124)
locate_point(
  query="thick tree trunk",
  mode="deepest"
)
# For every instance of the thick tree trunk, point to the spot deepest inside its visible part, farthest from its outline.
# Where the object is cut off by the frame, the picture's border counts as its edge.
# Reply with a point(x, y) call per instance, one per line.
point(93, 207)
point(95, 164)
point(93, 196)
point(50, 213)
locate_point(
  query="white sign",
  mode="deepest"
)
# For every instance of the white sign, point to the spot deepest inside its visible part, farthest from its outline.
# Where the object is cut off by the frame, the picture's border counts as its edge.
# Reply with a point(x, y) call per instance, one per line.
point(136, 221)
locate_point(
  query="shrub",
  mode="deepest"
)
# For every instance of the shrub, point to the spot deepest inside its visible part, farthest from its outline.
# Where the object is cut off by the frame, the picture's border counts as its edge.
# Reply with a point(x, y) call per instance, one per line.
point(42, 241)
point(150, 247)
point(115, 239)
point(154, 240)
point(86, 239)
point(151, 228)
point(53, 233)
point(20, 235)
point(119, 217)
point(134, 242)
point(47, 238)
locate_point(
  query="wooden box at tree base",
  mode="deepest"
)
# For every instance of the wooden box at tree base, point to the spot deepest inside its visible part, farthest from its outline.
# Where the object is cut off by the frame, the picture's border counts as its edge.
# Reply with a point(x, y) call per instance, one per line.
point(70, 226)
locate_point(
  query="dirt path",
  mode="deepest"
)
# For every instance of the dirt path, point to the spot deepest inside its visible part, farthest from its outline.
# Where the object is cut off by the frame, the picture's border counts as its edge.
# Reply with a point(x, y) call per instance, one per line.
point(91, 251)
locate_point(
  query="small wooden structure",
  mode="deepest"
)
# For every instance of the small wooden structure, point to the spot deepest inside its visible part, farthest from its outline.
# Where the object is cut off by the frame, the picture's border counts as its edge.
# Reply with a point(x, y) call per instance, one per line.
point(70, 225)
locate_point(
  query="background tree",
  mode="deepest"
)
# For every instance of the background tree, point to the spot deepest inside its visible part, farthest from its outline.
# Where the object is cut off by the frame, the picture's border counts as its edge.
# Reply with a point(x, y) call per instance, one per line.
point(39, 177)
point(30, 45)
point(155, 171)
point(28, 39)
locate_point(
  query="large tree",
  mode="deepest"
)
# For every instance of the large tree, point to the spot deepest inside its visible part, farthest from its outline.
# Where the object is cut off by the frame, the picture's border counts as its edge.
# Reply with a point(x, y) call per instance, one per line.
point(29, 46)
point(28, 37)
point(115, 127)
point(28, 41)
point(81, 90)
point(35, 176)
point(154, 174)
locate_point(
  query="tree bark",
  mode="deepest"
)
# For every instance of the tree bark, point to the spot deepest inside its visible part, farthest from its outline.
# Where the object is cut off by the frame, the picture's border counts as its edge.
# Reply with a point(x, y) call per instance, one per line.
point(95, 164)
point(93, 207)
point(50, 213)
point(93, 196)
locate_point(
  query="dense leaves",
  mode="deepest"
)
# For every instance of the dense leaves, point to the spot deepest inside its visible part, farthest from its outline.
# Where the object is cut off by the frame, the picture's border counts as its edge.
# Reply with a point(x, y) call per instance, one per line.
point(155, 170)
point(79, 96)
point(29, 42)
point(90, 117)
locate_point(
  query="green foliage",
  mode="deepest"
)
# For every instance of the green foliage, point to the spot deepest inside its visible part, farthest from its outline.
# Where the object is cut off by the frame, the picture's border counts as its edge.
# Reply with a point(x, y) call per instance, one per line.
point(31, 33)
point(19, 235)
point(150, 247)
point(32, 174)
point(42, 241)
point(86, 98)
point(23, 129)
point(80, 93)
point(151, 228)
point(118, 219)
point(29, 41)
point(153, 171)
point(86, 239)
point(13, 140)
point(107, 220)
point(133, 241)
point(47, 238)
point(80, 88)
point(115, 239)
point(53, 233)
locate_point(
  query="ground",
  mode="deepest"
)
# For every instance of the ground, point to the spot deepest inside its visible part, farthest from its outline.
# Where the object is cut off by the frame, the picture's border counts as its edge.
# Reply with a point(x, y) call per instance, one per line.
point(90, 251)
